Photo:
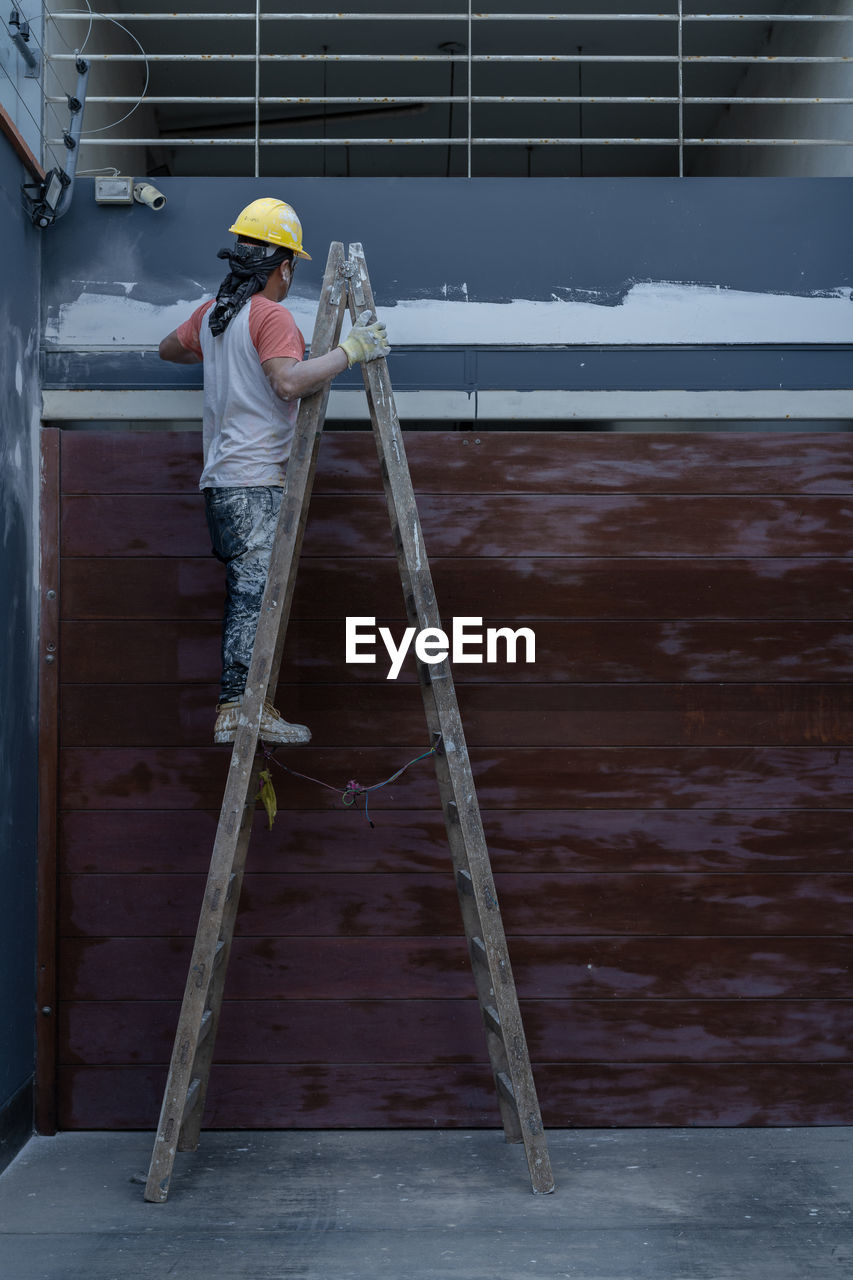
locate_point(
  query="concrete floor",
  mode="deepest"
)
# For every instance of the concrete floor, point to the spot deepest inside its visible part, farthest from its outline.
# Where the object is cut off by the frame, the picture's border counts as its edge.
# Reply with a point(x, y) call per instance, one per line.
point(666, 1204)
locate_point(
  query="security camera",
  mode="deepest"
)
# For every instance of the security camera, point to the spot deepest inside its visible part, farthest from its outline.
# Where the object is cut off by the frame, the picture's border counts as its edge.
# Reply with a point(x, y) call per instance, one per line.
point(146, 194)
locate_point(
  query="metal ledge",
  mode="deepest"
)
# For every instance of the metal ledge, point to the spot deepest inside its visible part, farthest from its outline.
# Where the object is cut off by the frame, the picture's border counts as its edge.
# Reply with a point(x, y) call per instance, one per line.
point(505, 406)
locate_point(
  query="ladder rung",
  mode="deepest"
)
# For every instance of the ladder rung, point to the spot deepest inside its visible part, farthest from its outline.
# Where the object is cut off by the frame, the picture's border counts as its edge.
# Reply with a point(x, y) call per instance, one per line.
point(491, 1017)
point(200, 970)
point(505, 1086)
point(478, 950)
point(205, 1028)
point(193, 1096)
point(466, 884)
point(230, 888)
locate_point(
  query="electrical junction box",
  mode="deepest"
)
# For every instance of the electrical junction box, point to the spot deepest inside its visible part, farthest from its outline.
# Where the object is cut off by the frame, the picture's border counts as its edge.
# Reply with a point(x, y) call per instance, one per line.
point(114, 190)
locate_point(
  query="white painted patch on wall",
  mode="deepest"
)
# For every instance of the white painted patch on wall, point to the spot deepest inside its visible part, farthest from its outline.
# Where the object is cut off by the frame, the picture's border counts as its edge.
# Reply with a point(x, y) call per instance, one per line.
point(99, 320)
point(650, 313)
point(19, 378)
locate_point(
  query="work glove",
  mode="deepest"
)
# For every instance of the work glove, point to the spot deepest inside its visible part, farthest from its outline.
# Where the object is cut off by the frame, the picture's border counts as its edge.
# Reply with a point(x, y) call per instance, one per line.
point(365, 341)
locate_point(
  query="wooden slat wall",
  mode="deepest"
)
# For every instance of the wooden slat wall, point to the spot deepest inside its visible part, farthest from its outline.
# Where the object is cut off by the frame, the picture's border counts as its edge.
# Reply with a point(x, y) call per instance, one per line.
point(666, 793)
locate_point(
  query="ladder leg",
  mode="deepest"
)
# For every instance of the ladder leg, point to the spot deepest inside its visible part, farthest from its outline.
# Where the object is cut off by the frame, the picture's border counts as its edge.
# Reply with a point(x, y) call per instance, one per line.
point(192, 1055)
point(481, 916)
point(186, 1085)
point(191, 1127)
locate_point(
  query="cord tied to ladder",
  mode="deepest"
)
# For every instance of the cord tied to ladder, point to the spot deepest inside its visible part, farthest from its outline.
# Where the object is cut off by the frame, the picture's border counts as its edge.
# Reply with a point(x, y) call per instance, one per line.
point(350, 793)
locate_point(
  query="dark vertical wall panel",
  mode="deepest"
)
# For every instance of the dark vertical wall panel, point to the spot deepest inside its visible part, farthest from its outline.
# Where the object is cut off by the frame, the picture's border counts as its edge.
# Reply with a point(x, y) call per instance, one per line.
point(19, 393)
point(667, 792)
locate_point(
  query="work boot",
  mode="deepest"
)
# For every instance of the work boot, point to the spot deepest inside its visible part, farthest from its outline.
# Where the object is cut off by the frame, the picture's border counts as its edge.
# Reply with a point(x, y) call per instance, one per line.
point(273, 728)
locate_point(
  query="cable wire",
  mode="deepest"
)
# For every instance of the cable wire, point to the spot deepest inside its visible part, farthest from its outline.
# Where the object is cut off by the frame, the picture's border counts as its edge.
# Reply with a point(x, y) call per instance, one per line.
point(52, 17)
point(45, 144)
point(47, 63)
point(350, 793)
point(91, 24)
point(78, 13)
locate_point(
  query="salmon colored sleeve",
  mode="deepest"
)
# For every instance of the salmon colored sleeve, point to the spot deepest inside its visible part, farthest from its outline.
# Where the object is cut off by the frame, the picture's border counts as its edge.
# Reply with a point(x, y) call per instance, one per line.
point(188, 332)
point(273, 331)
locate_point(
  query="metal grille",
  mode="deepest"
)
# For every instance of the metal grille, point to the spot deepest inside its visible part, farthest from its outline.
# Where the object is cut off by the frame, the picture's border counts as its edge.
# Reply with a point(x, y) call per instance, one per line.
point(479, 93)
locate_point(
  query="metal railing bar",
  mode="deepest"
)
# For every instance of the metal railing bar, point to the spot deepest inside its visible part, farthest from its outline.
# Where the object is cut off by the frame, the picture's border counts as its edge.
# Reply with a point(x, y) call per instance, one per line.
point(421, 100)
point(417, 57)
point(154, 100)
point(258, 87)
point(461, 142)
point(648, 100)
point(768, 17)
point(714, 57)
point(680, 90)
point(267, 57)
point(150, 15)
point(370, 142)
point(768, 142)
point(459, 16)
point(470, 52)
point(646, 57)
point(775, 102)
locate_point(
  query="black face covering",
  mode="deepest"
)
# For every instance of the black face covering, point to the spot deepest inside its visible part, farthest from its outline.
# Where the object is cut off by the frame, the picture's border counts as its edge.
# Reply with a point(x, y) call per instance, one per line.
point(251, 265)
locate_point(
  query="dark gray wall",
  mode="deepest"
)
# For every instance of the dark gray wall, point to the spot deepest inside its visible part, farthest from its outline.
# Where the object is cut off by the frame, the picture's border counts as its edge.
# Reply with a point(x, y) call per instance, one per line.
point(506, 239)
point(493, 241)
point(19, 397)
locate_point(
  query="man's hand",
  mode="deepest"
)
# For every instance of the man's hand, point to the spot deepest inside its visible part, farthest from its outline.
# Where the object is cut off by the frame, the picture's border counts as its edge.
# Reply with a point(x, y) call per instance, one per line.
point(365, 341)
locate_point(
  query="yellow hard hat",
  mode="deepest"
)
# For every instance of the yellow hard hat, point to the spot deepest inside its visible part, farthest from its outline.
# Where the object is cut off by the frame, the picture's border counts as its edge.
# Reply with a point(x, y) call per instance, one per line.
point(272, 221)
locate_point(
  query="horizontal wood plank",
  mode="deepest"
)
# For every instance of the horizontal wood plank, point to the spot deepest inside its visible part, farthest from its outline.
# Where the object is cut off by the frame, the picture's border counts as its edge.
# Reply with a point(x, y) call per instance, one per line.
point(436, 1031)
point(570, 651)
point(540, 715)
point(591, 840)
point(541, 525)
point(495, 462)
point(550, 967)
point(506, 778)
point(424, 904)
point(517, 589)
point(590, 1095)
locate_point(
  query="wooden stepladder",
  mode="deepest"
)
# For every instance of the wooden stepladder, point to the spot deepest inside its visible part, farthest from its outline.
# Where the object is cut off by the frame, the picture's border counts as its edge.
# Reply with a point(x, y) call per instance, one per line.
point(347, 281)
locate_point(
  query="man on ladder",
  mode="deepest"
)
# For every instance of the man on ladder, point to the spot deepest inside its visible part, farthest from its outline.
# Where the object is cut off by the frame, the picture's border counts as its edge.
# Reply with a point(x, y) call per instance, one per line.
point(254, 376)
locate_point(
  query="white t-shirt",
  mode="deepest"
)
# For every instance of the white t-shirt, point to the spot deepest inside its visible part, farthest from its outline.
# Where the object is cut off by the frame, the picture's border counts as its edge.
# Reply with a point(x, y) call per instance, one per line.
point(247, 430)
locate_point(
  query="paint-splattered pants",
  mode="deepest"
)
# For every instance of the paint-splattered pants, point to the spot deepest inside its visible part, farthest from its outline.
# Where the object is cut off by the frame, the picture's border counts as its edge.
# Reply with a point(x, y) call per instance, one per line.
point(242, 526)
